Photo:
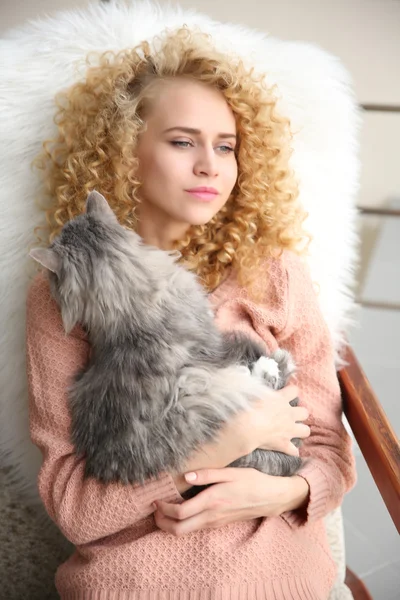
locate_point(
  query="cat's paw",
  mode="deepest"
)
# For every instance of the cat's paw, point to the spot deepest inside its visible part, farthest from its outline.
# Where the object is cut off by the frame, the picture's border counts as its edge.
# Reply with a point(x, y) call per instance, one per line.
point(285, 364)
point(267, 369)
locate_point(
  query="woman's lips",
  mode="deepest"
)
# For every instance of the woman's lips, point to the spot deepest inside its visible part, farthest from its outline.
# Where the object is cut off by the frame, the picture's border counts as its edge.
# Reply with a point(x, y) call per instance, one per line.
point(205, 195)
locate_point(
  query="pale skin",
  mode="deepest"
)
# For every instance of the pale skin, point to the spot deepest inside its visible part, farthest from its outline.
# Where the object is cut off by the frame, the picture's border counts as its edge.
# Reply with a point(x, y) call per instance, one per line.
point(188, 143)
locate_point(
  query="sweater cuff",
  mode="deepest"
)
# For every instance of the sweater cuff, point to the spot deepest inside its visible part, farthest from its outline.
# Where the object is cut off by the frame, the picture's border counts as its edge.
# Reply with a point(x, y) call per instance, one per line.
point(317, 501)
point(163, 488)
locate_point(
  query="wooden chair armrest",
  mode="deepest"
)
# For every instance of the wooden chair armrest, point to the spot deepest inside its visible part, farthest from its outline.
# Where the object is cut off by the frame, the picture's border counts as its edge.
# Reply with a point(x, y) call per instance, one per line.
point(373, 432)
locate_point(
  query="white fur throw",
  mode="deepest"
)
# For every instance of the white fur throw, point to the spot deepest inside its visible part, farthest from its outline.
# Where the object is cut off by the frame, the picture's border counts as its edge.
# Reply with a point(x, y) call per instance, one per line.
point(40, 58)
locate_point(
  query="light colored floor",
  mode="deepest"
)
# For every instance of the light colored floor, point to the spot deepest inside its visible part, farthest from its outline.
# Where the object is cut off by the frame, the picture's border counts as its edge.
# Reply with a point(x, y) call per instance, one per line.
point(372, 542)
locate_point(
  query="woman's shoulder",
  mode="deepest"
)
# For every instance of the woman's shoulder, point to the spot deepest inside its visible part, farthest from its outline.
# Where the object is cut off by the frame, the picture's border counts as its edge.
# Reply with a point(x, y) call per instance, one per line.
point(39, 286)
point(285, 281)
point(39, 298)
point(43, 311)
point(274, 276)
point(288, 262)
point(290, 271)
point(281, 271)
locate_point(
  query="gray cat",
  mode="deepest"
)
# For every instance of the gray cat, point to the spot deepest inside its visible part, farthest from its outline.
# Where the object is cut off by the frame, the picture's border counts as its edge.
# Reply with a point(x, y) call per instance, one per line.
point(161, 380)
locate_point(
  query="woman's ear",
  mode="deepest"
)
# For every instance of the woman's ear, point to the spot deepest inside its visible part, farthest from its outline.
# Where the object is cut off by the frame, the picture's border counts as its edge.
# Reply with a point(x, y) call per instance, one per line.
point(47, 258)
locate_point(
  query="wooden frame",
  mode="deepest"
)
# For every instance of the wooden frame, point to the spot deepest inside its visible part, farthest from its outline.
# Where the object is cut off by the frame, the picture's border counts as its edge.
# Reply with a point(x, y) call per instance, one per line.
point(356, 586)
point(377, 442)
point(373, 432)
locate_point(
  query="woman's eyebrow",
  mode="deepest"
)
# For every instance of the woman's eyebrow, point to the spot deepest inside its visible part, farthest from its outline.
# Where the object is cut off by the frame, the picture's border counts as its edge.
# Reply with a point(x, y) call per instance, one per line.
point(198, 132)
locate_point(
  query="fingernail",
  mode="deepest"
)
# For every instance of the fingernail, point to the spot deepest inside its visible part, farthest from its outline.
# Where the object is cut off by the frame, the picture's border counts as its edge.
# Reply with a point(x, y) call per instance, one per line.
point(190, 476)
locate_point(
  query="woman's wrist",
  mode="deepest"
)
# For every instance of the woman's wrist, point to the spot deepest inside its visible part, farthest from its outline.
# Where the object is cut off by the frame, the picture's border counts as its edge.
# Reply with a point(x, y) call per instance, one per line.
point(180, 482)
point(297, 493)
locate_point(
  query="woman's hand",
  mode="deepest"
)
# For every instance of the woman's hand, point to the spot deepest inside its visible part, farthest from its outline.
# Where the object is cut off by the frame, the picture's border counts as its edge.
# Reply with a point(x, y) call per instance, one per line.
point(238, 494)
point(272, 422)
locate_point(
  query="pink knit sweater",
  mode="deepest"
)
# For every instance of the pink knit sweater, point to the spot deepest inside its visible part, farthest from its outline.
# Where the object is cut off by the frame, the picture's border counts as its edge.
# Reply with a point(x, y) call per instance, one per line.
point(120, 552)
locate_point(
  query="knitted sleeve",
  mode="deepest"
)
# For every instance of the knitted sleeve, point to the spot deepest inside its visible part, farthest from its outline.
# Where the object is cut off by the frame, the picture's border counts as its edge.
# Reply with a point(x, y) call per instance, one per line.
point(330, 470)
point(83, 508)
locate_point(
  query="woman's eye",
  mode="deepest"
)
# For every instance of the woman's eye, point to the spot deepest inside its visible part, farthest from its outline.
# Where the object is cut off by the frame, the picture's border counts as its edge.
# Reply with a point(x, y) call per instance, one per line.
point(181, 143)
point(226, 149)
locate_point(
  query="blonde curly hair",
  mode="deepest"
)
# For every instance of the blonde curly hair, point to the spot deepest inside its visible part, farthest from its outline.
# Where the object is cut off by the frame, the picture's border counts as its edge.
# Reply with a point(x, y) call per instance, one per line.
point(100, 119)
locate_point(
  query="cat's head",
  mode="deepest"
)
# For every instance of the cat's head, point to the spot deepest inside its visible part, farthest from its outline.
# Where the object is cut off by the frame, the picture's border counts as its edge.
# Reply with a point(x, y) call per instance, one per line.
point(83, 261)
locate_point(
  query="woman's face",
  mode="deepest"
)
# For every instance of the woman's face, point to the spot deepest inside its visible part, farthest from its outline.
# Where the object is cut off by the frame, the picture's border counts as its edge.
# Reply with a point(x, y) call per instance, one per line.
point(187, 163)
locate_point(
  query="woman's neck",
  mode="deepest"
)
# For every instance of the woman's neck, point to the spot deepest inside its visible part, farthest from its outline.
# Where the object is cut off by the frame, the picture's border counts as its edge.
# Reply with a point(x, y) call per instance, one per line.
point(159, 232)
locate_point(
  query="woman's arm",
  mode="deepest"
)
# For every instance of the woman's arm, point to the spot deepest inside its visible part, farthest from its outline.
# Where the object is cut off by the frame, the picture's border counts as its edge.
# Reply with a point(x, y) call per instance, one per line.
point(84, 509)
point(297, 493)
point(330, 472)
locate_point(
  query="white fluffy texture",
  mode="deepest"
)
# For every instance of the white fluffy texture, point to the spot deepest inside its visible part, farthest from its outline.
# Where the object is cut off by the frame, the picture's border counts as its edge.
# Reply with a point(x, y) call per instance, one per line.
point(266, 366)
point(41, 57)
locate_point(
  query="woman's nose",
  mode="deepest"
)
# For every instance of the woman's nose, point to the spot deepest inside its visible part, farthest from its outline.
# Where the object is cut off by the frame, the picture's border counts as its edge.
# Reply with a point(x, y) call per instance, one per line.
point(206, 163)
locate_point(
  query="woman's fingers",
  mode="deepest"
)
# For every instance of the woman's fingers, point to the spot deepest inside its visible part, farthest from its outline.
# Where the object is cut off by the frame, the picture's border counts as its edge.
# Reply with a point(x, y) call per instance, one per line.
point(300, 413)
point(202, 501)
point(189, 508)
point(180, 527)
point(179, 512)
point(292, 450)
point(302, 431)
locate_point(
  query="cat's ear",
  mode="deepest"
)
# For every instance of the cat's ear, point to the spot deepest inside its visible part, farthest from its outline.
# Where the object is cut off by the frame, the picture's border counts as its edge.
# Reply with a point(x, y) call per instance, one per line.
point(47, 258)
point(97, 205)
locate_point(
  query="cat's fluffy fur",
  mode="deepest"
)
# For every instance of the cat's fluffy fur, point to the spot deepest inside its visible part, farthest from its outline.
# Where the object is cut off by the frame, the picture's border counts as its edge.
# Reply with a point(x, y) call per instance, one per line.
point(161, 379)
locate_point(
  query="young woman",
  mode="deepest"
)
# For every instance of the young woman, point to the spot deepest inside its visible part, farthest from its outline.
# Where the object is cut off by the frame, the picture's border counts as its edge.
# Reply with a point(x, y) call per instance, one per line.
point(188, 149)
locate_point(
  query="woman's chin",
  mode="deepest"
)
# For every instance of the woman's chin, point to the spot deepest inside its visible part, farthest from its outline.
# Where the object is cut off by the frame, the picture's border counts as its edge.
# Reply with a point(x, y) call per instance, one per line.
point(200, 217)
